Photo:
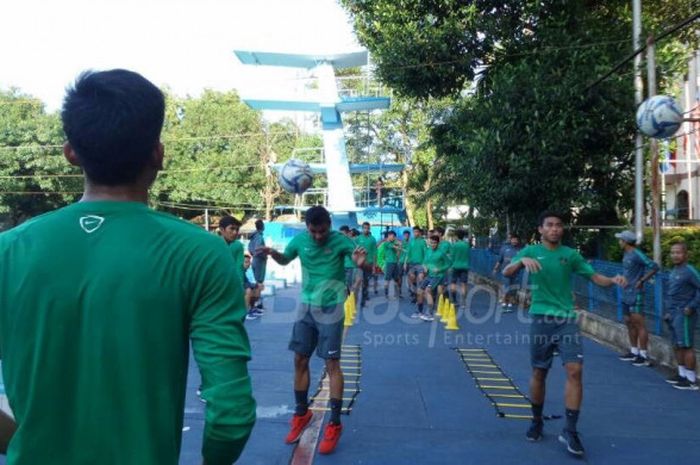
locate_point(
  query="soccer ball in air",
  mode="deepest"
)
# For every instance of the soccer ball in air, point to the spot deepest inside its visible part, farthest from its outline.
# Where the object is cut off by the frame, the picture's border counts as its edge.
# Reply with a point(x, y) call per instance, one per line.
point(659, 117)
point(295, 176)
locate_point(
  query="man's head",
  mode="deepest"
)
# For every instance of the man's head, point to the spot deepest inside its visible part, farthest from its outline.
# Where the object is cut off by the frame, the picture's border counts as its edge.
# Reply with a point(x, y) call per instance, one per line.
point(417, 231)
point(345, 229)
point(679, 253)
point(461, 234)
point(246, 261)
point(113, 120)
point(551, 226)
point(626, 239)
point(228, 227)
point(365, 228)
point(441, 231)
point(514, 240)
point(406, 235)
point(434, 240)
point(390, 236)
point(354, 232)
point(259, 225)
point(318, 223)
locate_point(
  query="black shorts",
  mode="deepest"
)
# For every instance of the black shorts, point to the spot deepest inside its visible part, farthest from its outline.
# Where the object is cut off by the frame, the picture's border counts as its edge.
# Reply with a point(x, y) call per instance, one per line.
point(319, 328)
point(459, 276)
point(392, 271)
point(548, 334)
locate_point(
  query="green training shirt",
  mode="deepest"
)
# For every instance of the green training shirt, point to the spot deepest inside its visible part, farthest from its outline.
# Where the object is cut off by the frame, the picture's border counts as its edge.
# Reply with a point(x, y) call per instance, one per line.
point(391, 255)
point(446, 247)
point(369, 243)
point(416, 250)
point(236, 249)
point(348, 261)
point(551, 286)
point(436, 262)
point(461, 252)
point(98, 304)
point(322, 270)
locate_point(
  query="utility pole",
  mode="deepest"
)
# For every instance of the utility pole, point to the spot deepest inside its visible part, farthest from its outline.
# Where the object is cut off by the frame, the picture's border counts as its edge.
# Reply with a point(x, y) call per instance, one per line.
point(638, 141)
point(654, 147)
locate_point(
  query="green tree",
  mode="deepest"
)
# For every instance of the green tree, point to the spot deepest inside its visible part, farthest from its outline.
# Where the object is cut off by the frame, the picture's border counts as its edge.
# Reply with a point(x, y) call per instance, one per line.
point(34, 176)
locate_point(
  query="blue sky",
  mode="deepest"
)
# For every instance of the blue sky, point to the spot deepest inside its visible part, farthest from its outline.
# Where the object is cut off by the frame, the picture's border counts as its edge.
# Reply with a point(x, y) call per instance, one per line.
point(184, 44)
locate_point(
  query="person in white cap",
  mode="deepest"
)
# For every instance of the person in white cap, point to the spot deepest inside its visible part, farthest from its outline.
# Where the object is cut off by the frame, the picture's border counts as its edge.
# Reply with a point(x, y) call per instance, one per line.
point(637, 268)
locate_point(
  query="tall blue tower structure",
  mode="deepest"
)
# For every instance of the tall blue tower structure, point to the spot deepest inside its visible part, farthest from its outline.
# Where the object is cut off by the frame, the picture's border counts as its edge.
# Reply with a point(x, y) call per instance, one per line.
point(329, 104)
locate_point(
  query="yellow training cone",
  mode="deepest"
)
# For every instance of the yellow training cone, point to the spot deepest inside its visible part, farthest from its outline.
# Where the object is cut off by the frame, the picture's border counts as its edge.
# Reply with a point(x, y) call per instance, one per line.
point(439, 306)
point(452, 319)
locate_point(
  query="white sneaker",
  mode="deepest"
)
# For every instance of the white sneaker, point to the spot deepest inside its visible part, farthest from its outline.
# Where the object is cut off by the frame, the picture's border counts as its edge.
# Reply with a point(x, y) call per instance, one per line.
point(416, 315)
point(427, 317)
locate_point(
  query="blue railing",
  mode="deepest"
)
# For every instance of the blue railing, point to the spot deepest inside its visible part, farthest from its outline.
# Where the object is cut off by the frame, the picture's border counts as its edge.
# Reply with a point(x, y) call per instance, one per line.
point(606, 302)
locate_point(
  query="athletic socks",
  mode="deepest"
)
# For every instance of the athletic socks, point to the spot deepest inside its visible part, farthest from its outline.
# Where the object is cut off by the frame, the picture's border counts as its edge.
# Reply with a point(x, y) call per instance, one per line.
point(634, 350)
point(336, 406)
point(690, 375)
point(643, 353)
point(537, 412)
point(681, 371)
point(420, 308)
point(302, 401)
point(571, 419)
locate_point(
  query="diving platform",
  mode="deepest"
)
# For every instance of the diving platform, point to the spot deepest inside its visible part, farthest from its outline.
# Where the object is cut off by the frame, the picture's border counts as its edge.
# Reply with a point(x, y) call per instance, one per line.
point(329, 104)
point(291, 60)
point(344, 104)
point(355, 168)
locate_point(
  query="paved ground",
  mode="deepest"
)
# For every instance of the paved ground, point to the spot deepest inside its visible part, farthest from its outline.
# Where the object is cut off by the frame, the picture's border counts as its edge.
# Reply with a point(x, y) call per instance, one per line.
point(418, 404)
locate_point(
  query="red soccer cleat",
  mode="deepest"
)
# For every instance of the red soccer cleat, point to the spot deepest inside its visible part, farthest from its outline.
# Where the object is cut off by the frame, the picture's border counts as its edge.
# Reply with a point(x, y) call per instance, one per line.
point(298, 422)
point(330, 438)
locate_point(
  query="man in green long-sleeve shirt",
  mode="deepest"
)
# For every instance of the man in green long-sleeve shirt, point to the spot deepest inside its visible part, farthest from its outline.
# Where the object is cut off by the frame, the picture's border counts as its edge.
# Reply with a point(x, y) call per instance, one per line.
point(100, 300)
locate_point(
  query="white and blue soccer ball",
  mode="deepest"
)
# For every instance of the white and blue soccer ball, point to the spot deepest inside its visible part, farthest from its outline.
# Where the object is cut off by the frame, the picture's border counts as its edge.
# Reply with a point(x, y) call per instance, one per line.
point(659, 117)
point(295, 176)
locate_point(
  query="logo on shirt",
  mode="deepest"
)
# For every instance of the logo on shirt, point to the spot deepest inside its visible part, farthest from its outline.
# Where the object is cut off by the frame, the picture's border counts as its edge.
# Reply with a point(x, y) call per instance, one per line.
point(563, 261)
point(91, 223)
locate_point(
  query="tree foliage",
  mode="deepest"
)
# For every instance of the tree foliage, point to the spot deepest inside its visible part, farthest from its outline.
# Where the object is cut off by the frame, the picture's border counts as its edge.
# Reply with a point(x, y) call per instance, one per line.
point(525, 132)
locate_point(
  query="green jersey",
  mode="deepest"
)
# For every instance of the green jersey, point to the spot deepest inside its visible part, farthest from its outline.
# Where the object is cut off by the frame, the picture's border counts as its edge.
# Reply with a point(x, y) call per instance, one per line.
point(98, 303)
point(236, 249)
point(461, 251)
point(348, 261)
point(446, 247)
point(322, 270)
point(551, 286)
point(369, 243)
point(391, 254)
point(416, 251)
point(436, 262)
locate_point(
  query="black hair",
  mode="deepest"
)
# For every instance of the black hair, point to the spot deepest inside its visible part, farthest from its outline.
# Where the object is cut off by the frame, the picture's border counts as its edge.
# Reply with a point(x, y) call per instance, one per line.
point(227, 221)
point(435, 238)
point(549, 214)
point(460, 234)
point(440, 229)
point(259, 225)
point(514, 236)
point(406, 231)
point(366, 223)
point(345, 228)
point(392, 232)
point(417, 228)
point(317, 216)
point(354, 232)
point(113, 120)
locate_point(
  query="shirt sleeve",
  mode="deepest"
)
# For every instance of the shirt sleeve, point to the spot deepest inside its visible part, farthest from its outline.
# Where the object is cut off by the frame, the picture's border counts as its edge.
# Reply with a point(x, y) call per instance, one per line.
point(580, 266)
point(221, 348)
point(646, 261)
point(292, 250)
point(524, 253)
point(694, 278)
